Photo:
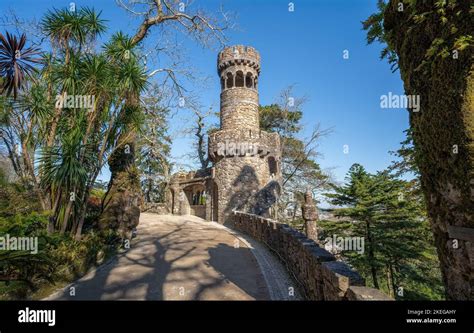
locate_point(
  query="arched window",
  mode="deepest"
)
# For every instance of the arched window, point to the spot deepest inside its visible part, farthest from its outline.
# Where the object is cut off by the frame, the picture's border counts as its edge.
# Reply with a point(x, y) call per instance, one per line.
point(249, 80)
point(239, 79)
point(198, 197)
point(222, 83)
point(230, 80)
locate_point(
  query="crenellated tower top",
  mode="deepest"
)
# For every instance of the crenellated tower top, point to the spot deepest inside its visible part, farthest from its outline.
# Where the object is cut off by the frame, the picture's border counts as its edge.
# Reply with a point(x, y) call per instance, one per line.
point(238, 66)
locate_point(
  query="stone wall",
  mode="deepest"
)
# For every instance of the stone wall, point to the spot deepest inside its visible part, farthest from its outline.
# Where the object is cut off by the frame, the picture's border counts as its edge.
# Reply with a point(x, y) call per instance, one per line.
point(262, 142)
point(198, 210)
point(239, 108)
point(320, 275)
point(157, 208)
point(244, 52)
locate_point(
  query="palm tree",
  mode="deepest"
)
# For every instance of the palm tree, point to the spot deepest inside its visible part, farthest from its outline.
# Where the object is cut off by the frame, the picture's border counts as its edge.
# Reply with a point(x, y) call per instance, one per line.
point(15, 63)
point(72, 29)
point(130, 80)
point(64, 172)
point(69, 32)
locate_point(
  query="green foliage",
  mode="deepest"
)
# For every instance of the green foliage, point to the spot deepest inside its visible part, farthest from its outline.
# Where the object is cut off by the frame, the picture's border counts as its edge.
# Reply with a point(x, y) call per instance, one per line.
point(61, 165)
point(375, 32)
point(16, 199)
point(72, 144)
point(16, 63)
point(299, 168)
point(154, 146)
point(433, 40)
point(390, 214)
point(274, 119)
point(66, 27)
point(298, 159)
point(443, 13)
point(59, 259)
point(39, 107)
point(58, 150)
point(406, 162)
point(120, 48)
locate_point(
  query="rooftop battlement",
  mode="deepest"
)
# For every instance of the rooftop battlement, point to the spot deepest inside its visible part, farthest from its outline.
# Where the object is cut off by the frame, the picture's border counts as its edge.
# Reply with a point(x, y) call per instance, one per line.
point(238, 55)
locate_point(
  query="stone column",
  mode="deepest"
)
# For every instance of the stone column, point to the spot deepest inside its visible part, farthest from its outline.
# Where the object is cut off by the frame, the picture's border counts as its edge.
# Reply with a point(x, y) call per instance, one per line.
point(310, 216)
point(175, 189)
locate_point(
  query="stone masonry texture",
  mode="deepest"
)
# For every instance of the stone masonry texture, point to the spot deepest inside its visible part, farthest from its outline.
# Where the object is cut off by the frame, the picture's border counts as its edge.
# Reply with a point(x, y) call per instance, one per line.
point(320, 275)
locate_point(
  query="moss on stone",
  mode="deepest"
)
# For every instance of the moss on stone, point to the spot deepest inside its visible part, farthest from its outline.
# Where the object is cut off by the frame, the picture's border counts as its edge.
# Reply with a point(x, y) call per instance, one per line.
point(443, 130)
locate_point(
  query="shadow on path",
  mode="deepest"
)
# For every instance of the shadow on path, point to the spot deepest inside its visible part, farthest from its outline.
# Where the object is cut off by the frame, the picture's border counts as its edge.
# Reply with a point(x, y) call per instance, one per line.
point(175, 258)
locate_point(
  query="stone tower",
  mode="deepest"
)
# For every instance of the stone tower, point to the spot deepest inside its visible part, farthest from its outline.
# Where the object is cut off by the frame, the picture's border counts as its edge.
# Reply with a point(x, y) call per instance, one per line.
point(246, 159)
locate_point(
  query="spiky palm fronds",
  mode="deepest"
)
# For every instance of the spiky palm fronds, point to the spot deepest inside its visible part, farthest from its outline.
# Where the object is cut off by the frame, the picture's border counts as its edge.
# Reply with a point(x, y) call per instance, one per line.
point(15, 62)
point(63, 26)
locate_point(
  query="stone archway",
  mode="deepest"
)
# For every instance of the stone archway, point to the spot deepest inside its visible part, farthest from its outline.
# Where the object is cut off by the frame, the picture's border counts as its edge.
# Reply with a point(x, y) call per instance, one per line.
point(196, 200)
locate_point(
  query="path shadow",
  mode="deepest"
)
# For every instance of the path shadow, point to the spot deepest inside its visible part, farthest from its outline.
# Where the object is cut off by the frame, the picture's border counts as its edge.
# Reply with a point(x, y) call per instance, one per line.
point(144, 281)
point(237, 266)
point(249, 198)
point(155, 268)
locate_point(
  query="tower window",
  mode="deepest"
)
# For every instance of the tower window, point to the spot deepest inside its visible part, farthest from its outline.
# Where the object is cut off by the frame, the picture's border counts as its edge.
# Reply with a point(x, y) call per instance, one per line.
point(239, 79)
point(230, 80)
point(222, 83)
point(249, 80)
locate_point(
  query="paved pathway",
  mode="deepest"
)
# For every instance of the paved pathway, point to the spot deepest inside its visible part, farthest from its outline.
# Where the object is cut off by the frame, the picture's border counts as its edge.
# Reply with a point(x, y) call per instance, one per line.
point(186, 258)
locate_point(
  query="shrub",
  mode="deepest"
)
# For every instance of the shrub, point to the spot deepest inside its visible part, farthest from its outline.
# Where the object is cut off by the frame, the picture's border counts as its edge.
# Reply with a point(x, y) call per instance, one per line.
point(59, 257)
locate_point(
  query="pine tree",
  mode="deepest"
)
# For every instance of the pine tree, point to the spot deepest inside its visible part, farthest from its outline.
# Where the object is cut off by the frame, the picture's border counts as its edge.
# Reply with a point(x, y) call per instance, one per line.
point(390, 214)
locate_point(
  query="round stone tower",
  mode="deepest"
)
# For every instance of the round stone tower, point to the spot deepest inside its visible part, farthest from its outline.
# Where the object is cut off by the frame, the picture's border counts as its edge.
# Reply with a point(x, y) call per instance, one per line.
point(246, 159)
point(238, 68)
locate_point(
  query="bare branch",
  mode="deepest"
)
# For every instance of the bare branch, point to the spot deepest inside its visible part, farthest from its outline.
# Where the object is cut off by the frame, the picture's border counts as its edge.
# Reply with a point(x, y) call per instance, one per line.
point(196, 23)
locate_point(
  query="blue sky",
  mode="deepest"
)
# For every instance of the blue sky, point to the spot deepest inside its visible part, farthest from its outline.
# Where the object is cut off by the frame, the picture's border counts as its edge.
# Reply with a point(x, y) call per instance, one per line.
point(303, 48)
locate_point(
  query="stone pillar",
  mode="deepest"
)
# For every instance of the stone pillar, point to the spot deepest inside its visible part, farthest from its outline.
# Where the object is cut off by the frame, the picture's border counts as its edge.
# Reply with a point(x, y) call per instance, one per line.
point(175, 189)
point(310, 216)
point(184, 207)
point(208, 198)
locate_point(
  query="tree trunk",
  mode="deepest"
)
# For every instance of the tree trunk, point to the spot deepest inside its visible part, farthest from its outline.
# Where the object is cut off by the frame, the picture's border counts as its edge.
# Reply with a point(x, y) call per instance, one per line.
point(149, 189)
point(392, 279)
point(121, 203)
point(443, 130)
point(371, 256)
point(390, 284)
point(67, 213)
point(54, 124)
point(29, 169)
point(82, 213)
point(52, 218)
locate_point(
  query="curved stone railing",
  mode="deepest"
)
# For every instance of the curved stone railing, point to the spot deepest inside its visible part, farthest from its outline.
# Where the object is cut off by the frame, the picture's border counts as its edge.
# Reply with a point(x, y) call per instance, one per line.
point(320, 275)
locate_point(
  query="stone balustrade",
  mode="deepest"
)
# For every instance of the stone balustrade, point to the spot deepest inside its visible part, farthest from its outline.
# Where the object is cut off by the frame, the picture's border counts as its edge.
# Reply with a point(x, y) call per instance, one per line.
point(320, 275)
